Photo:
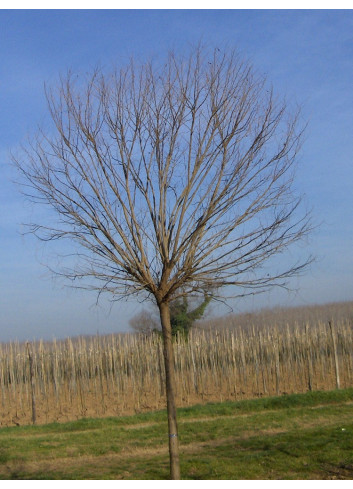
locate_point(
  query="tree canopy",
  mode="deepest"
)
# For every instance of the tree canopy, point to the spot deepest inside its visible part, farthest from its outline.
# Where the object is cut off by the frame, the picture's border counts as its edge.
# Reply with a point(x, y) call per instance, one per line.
point(171, 178)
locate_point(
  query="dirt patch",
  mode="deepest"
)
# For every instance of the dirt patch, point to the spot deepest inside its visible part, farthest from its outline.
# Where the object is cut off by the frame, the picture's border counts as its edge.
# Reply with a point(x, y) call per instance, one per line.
point(91, 402)
point(341, 471)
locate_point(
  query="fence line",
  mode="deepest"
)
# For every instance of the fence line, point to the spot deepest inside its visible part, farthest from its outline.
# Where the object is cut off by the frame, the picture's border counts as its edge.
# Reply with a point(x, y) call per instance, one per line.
point(123, 374)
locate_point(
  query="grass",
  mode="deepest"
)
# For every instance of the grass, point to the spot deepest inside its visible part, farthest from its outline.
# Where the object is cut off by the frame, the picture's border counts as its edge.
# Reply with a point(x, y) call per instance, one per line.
point(304, 436)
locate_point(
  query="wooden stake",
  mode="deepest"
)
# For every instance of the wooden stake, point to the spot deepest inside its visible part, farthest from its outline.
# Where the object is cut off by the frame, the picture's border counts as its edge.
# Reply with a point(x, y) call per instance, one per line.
point(32, 381)
point(338, 385)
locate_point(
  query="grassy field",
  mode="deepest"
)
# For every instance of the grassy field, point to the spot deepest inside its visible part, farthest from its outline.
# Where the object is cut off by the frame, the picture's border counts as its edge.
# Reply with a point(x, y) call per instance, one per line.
point(298, 436)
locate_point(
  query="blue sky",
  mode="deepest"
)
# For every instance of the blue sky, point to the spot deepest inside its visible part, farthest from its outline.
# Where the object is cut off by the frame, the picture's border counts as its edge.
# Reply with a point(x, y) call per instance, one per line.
point(306, 54)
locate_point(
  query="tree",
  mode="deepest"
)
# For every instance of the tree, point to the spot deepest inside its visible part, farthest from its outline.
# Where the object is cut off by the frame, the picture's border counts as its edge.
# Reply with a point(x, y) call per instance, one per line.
point(169, 180)
point(144, 322)
point(182, 319)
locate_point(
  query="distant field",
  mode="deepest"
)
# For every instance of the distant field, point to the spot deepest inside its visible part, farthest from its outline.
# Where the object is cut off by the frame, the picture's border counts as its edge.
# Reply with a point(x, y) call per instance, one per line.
point(274, 352)
point(305, 436)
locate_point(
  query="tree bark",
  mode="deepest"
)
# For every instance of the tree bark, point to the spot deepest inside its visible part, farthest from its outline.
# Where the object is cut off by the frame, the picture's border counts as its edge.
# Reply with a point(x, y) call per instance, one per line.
point(170, 390)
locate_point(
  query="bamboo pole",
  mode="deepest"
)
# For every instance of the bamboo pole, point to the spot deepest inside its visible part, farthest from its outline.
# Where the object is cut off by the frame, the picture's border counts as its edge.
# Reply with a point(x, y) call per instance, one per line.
point(32, 382)
point(309, 358)
point(334, 344)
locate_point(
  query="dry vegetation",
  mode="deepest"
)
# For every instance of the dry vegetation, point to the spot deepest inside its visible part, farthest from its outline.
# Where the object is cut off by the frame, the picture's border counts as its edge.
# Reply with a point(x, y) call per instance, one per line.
point(245, 356)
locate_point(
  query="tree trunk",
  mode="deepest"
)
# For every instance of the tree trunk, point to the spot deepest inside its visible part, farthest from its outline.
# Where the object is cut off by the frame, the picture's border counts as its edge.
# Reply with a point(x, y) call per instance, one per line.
point(170, 389)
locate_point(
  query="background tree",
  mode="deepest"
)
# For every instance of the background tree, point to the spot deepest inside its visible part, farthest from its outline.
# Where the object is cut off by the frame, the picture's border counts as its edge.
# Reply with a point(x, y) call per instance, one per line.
point(181, 317)
point(144, 322)
point(169, 180)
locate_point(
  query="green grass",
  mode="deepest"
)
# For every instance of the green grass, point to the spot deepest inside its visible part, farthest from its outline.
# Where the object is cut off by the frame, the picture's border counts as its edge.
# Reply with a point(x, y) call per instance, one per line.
point(304, 436)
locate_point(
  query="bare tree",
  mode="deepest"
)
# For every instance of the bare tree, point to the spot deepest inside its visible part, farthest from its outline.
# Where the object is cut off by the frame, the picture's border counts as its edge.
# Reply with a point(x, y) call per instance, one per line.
point(172, 180)
point(144, 322)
